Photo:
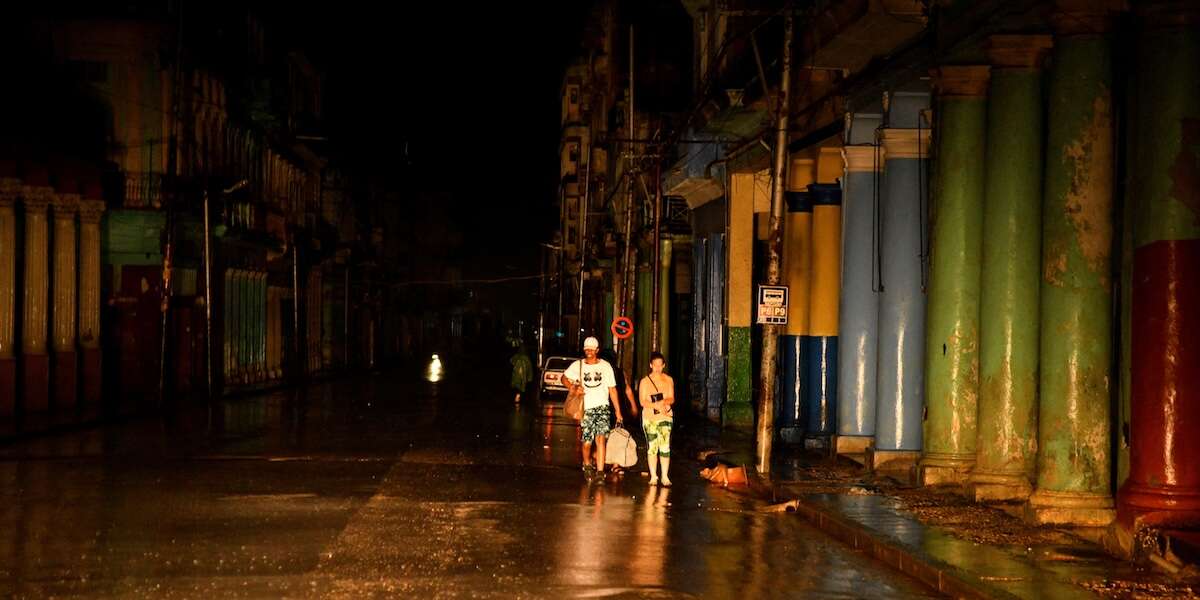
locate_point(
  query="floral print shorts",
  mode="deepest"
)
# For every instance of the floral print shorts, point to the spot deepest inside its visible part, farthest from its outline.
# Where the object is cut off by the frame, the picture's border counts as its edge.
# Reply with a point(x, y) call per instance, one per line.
point(595, 423)
point(658, 437)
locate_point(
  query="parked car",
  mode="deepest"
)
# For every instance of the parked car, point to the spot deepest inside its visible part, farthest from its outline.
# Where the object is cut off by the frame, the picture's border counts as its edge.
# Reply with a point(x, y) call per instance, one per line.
point(551, 387)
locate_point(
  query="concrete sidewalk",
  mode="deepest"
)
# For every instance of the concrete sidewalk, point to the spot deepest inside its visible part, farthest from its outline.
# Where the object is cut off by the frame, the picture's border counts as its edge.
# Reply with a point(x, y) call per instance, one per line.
point(960, 548)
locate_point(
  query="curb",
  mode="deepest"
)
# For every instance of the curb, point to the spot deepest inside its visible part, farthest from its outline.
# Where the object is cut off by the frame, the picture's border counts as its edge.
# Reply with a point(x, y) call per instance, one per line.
point(939, 576)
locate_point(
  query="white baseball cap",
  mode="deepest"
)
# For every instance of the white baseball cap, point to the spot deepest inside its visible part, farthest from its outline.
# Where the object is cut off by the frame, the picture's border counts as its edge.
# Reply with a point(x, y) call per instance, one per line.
point(591, 342)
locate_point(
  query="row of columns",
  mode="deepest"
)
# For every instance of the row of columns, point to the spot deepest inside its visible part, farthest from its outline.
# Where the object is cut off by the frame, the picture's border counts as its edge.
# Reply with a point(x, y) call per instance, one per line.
point(64, 326)
point(1019, 346)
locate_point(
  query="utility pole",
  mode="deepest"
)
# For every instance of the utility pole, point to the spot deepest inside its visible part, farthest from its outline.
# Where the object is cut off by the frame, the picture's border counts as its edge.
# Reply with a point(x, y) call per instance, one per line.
point(583, 230)
point(169, 194)
point(655, 332)
point(770, 333)
point(628, 274)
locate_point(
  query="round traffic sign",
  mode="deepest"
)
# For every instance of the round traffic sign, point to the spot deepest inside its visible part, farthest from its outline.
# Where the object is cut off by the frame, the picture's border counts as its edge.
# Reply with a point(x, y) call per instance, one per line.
point(622, 327)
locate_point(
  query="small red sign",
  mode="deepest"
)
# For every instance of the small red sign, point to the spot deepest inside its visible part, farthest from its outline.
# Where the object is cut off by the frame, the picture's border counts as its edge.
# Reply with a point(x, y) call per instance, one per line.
point(622, 327)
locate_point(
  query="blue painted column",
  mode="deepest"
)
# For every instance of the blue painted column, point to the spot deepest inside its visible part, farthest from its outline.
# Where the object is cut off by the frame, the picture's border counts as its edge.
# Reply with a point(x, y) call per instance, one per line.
point(790, 420)
point(858, 316)
point(715, 339)
point(699, 374)
point(822, 341)
point(900, 387)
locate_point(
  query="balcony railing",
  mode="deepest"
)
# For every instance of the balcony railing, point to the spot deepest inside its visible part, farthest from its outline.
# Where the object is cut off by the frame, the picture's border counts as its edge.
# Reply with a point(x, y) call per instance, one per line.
point(142, 190)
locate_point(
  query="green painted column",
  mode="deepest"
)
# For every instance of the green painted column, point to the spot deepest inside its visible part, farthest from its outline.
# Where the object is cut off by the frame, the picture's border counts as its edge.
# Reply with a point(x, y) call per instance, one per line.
point(664, 297)
point(737, 410)
point(645, 300)
point(1073, 465)
point(952, 309)
point(606, 332)
point(1006, 446)
point(739, 371)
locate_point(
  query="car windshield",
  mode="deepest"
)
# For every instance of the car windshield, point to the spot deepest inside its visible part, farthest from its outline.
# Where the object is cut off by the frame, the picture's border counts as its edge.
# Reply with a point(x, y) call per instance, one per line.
point(557, 364)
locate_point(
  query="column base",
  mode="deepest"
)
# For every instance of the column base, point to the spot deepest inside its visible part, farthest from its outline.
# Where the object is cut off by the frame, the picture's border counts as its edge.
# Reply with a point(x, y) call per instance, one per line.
point(892, 460)
point(1158, 506)
point(822, 443)
point(8, 387)
point(713, 413)
point(938, 468)
point(997, 487)
point(852, 444)
point(35, 373)
point(791, 435)
point(1079, 509)
point(66, 380)
point(738, 415)
point(90, 374)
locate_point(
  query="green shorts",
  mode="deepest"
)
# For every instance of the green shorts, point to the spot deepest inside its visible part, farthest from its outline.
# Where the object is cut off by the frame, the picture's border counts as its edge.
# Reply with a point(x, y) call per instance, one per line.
point(658, 437)
point(595, 423)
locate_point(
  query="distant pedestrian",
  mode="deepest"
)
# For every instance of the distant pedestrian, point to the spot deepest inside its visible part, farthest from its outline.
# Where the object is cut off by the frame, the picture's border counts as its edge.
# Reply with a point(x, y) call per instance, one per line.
point(522, 372)
point(656, 392)
point(599, 403)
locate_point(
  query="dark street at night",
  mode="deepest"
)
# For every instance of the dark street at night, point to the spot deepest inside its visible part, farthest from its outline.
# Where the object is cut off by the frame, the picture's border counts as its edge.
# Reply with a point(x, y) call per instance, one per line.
point(600, 299)
point(389, 485)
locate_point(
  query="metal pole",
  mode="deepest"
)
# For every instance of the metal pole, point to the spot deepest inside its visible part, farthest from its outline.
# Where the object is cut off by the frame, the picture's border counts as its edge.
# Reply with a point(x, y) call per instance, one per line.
point(346, 318)
point(541, 316)
point(208, 345)
point(167, 198)
point(165, 307)
point(296, 306)
point(655, 334)
point(560, 278)
point(627, 273)
point(583, 222)
point(770, 333)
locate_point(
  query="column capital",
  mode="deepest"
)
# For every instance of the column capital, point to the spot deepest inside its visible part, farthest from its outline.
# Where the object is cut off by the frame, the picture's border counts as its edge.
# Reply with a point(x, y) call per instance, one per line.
point(1018, 51)
point(961, 81)
point(906, 143)
point(90, 211)
point(1160, 15)
point(65, 205)
point(36, 198)
point(863, 159)
point(10, 190)
point(1083, 17)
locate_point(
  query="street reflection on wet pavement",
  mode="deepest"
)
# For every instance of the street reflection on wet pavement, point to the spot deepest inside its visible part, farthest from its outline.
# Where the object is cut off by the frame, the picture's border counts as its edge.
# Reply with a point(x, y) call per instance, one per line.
point(389, 486)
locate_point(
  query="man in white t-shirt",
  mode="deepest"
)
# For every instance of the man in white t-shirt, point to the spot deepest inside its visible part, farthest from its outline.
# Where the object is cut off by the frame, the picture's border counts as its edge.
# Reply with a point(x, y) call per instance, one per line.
point(599, 398)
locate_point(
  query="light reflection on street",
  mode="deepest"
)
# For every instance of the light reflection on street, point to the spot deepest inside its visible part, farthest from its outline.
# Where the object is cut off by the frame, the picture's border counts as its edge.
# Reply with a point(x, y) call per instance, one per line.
point(433, 372)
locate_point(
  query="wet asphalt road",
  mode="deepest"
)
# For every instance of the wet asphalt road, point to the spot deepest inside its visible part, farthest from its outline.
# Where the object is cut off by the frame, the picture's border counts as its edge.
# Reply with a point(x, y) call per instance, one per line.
point(389, 486)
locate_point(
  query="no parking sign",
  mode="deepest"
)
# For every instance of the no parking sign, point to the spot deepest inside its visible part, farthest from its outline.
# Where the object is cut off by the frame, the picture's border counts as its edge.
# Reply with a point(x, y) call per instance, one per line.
point(622, 327)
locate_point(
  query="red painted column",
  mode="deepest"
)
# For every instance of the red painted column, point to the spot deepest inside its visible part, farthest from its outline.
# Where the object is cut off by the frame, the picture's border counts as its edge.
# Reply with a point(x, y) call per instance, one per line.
point(1164, 480)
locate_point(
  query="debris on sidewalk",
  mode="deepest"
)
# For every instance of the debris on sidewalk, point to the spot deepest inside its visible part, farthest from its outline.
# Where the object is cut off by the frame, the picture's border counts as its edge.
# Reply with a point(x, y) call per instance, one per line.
point(725, 474)
point(789, 506)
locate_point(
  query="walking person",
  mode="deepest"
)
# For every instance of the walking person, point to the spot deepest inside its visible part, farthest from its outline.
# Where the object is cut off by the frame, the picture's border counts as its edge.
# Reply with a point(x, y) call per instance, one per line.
point(624, 392)
point(522, 371)
point(599, 403)
point(656, 392)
